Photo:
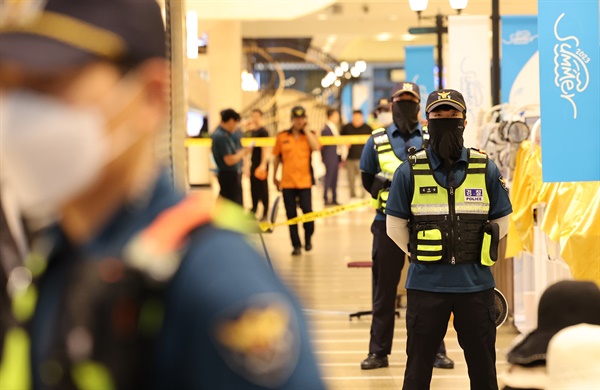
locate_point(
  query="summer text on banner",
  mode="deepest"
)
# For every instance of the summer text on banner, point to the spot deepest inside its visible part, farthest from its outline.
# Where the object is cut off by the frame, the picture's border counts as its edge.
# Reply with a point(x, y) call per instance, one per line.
point(570, 89)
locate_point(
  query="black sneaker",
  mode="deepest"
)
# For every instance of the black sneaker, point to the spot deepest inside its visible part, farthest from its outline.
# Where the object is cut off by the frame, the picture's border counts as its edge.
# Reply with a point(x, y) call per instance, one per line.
point(308, 247)
point(373, 361)
point(297, 252)
point(443, 361)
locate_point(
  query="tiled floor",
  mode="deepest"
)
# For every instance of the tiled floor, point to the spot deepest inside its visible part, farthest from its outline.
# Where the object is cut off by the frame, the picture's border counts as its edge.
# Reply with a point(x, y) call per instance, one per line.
point(329, 291)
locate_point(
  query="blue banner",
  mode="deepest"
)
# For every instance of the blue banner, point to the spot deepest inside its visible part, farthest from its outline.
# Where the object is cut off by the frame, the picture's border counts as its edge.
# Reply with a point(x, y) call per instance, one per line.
point(570, 89)
point(519, 45)
point(419, 66)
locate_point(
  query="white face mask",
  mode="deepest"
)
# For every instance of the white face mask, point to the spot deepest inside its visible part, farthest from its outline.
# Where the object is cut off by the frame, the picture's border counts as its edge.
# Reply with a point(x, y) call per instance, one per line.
point(385, 118)
point(51, 151)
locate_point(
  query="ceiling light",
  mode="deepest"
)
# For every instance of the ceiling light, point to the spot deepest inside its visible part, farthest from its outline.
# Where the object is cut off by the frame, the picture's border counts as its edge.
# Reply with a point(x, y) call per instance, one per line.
point(337, 83)
point(383, 36)
point(338, 71)
point(418, 5)
point(354, 71)
point(325, 83)
point(347, 75)
point(408, 37)
point(344, 65)
point(458, 4)
point(361, 66)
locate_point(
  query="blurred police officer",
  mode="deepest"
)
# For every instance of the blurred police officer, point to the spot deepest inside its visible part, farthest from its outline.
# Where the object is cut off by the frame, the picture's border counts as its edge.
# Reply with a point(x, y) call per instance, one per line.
point(449, 207)
point(383, 153)
point(135, 287)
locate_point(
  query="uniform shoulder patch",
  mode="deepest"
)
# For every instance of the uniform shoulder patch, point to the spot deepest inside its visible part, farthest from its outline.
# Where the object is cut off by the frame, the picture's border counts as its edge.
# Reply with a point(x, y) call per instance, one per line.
point(480, 151)
point(503, 183)
point(259, 339)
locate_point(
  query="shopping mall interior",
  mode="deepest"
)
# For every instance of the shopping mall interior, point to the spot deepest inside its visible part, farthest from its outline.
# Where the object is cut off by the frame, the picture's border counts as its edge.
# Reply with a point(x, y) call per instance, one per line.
point(524, 68)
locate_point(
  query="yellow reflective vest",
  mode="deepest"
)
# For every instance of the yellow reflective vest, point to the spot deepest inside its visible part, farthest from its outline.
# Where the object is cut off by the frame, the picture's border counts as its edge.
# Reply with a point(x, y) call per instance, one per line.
point(388, 162)
point(447, 224)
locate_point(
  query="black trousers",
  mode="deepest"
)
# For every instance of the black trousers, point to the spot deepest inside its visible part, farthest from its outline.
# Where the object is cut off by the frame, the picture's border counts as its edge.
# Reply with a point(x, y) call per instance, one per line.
point(231, 186)
point(388, 261)
point(427, 318)
point(292, 198)
point(331, 179)
point(259, 189)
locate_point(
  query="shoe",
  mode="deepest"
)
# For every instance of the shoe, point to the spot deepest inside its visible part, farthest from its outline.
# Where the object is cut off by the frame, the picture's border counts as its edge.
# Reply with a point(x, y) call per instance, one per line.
point(297, 252)
point(335, 204)
point(443, 361)
point(373, 361)
point(308, 247)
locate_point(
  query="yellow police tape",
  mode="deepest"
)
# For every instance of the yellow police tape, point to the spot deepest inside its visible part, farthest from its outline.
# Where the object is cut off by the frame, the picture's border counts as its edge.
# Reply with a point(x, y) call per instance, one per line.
point(313, 215)
point(270, 141)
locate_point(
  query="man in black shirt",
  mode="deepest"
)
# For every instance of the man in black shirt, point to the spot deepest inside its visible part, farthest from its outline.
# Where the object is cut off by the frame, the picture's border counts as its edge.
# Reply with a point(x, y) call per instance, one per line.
point(356, 127)
point(259, 187)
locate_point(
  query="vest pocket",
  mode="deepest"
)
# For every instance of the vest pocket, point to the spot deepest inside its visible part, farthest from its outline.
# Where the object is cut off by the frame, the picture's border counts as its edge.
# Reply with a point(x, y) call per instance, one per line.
point(489, 248)
point(429, 244)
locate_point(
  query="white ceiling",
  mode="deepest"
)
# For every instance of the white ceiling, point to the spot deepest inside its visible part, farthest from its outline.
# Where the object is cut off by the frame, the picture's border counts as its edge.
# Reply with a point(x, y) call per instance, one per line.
point(369, 30)
point(255, 9)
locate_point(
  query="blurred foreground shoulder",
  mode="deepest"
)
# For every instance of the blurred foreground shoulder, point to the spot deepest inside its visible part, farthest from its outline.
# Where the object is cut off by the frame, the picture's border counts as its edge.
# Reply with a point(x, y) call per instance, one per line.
point(235, 321)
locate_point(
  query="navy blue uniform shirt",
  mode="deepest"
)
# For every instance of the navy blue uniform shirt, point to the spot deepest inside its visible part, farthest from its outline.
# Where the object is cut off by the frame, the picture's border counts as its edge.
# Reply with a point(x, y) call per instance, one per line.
point(211, 336)
point(224, 143)
point(369, 161)
point(462, 278)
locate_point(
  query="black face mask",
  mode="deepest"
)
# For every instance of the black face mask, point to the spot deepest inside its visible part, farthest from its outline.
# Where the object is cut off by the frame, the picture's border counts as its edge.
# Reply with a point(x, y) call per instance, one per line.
point(446, 138)
point(405, 113)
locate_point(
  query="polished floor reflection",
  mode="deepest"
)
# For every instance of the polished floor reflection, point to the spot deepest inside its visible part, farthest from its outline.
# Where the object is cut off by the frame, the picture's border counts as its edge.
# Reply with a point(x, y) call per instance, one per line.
point(329, 291)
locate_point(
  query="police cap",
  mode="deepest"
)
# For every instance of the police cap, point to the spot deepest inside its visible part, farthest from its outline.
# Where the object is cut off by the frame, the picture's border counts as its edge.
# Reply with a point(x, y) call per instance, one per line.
point(449, 97)
point(298, 112)
point(57, 34)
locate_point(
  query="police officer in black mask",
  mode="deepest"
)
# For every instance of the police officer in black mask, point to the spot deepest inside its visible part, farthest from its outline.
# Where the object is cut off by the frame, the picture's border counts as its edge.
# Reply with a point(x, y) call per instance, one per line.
point(405, 111)
point(447, 208)
point(383, 153)
point(446, 133)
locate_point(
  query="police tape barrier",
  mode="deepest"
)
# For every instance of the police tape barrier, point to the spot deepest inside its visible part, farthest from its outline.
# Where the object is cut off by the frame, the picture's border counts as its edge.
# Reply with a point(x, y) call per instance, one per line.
point(313, 215)
point(270, 141)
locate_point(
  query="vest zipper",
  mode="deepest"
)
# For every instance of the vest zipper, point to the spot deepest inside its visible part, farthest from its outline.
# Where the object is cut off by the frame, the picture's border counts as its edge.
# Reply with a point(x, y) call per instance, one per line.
point(451, 209)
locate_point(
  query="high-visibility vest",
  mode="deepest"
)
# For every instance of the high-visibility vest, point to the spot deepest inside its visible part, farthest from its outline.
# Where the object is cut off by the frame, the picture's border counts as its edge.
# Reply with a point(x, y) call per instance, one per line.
point(388, 162)
point(447, 224)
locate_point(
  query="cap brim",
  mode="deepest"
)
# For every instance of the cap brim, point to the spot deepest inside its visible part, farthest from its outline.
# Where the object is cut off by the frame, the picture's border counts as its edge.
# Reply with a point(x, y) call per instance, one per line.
point(406, 91)
point(40, 54)
point(445, 102)
point(531, 349)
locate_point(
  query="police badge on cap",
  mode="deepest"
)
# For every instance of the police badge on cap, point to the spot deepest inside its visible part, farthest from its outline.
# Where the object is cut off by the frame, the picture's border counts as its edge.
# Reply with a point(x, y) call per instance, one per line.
point(298, 112)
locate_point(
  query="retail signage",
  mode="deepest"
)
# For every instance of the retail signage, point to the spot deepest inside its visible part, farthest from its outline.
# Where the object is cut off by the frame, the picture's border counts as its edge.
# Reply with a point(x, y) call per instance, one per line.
point(519, 66)
point(419, 66)
point(469, 68)
point(570, 89)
